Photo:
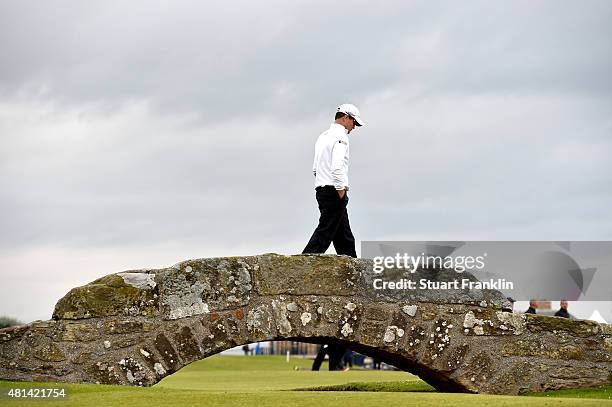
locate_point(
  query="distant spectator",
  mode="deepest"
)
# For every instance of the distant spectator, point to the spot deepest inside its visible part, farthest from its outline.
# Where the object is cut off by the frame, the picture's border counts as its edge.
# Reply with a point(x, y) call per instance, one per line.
point(533, 304)
point(376, 363)
point(348, 359)
point(563, 310)
point(245, 349)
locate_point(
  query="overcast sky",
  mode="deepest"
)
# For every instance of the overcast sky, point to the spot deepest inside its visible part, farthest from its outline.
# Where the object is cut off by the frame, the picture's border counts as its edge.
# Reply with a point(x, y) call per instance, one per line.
point(139, 134)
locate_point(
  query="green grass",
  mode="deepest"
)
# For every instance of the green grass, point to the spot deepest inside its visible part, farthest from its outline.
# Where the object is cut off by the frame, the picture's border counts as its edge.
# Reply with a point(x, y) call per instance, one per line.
point(409, 385)
point(261, 373)
point(596, 393)
point(270, 381)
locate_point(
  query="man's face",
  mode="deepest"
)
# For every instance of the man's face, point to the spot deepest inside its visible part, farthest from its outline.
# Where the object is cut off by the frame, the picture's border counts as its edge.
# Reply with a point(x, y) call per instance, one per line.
point(350, 123)
point(564, 304)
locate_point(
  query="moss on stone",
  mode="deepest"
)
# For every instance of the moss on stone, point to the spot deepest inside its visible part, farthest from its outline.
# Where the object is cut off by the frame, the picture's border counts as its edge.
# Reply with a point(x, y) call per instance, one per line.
point(50, 353)
point(541, 323)
point(106, 296)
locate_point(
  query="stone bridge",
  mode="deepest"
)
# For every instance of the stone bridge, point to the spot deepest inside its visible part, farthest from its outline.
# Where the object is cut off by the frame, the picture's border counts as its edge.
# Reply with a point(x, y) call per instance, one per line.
point(135, 327)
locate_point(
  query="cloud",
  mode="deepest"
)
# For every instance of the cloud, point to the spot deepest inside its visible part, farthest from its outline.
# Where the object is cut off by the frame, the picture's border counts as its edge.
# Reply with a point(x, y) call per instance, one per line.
point(292, 58)
point(96, 180)
point(188, 127)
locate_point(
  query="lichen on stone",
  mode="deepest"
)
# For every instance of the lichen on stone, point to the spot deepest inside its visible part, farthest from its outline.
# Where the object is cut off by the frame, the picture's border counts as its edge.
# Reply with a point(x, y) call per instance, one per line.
point(159, 369)
point(470, 320)
point(306, 317)
point(392, 332)
point(142, 281)
point(133, 370)
point(510, 319)
point(350, 306)
point(410, 310)
point(258, 320)
point(346, 330)
point(279, 310)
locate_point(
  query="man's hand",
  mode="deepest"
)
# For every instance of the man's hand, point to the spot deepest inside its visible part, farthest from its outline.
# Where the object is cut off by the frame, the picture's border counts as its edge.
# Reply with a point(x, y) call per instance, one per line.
point(341, 193)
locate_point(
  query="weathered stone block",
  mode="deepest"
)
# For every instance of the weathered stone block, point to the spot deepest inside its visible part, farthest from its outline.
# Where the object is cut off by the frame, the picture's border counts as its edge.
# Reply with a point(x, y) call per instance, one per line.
point(378, 312)
point(135, 373)
point(107, 296)
point(166, 351)
point(12, 333)
point(115, 326)
point(197, 287)
point(83, 357)
point(608, 344)
point(568, 377)
point(49, 352)
point(371, 332)
point(541, 323)
point(307, 275)
point(103, 373)
point(186, 345)
point(76, 332)
point(260, 322)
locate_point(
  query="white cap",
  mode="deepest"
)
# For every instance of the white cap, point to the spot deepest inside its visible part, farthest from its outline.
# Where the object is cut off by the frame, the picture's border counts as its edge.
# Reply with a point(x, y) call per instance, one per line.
point(352, 111)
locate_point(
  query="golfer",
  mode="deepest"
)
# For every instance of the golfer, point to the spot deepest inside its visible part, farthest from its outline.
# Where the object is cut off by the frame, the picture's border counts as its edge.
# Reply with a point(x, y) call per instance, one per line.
point(330, 167)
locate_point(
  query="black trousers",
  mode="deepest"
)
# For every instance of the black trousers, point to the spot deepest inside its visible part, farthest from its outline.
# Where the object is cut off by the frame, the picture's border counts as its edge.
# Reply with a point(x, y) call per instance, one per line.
point(333, 225)
point(336, 357)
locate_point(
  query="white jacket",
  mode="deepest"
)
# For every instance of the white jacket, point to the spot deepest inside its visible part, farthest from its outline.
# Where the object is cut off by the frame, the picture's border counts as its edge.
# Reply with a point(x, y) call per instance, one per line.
point(331, 158)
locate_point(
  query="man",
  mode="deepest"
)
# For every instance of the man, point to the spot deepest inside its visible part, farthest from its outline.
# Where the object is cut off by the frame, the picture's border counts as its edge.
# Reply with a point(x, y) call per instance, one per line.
point(563, 310)
point(330, 169)
point(533, 304)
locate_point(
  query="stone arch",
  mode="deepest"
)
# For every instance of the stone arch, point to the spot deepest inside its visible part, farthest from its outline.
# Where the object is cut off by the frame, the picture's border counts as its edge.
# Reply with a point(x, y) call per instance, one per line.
point(136, 327)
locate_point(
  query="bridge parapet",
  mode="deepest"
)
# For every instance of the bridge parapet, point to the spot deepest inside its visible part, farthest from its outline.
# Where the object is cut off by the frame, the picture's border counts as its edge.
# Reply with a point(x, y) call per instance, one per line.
point(138, 326)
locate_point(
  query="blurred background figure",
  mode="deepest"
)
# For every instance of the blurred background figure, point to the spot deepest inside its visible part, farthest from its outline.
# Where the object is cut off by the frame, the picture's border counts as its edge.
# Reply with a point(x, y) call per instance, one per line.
point(563, 310)
point(533, 305)
point(348, 359)
point(376, 364)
